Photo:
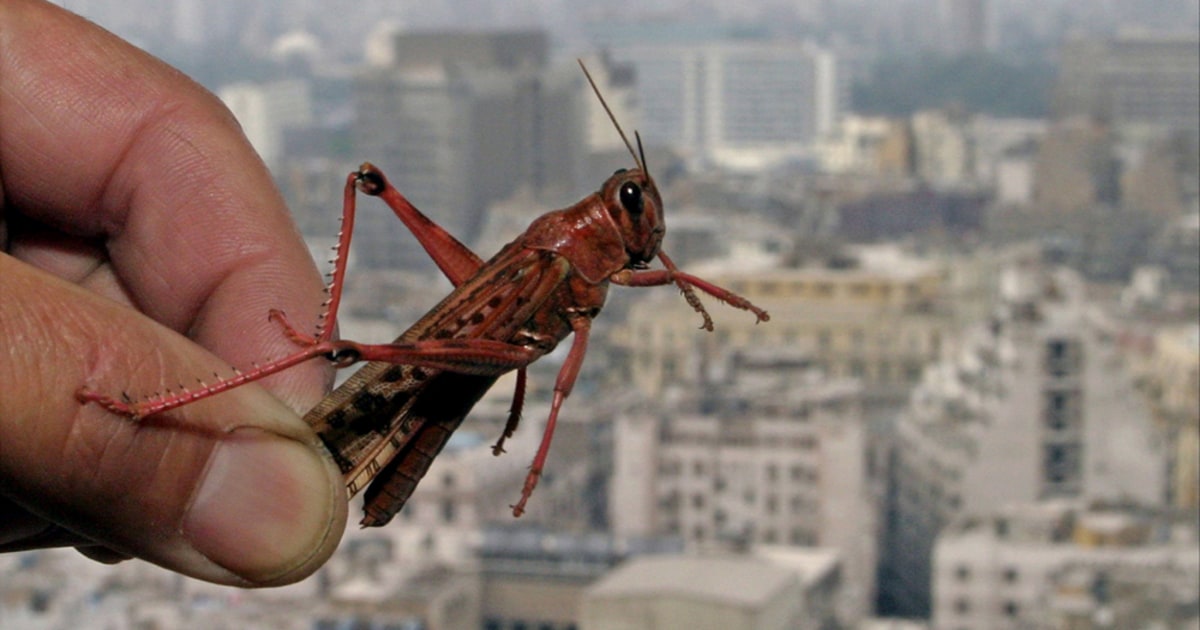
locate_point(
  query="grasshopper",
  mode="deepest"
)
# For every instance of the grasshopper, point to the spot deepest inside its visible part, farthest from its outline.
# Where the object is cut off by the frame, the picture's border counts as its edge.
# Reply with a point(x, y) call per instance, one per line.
point(388, 421)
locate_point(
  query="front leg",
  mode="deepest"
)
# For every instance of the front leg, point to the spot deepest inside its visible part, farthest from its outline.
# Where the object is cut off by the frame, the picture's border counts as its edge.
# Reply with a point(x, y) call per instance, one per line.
point(686, 282)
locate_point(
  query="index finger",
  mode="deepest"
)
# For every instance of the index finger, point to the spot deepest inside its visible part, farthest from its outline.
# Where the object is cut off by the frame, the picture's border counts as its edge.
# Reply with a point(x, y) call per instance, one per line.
point(101, 141)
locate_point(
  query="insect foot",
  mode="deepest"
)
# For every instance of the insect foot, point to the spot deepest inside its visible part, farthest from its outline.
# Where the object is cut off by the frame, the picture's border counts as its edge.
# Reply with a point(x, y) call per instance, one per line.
point(370, 180)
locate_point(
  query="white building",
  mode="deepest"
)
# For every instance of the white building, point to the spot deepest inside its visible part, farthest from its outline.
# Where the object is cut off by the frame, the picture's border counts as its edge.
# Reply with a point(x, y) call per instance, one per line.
point(942, 147)
point(1059, 565)
point(772, 588)
point(1034, 405)
point(777, 454)
point(742, 105)
point(855, 144)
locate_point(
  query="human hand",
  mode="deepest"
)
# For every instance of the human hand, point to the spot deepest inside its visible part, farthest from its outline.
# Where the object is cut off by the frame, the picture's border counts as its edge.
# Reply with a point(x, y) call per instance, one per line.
point(141, 239)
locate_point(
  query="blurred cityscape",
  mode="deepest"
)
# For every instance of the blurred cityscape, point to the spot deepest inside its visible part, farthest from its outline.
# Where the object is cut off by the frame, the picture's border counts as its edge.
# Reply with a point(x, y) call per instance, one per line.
point(975, 224)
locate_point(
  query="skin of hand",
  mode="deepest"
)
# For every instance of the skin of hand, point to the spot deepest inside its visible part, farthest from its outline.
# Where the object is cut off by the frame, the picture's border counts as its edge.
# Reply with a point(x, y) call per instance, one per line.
point(142, 243)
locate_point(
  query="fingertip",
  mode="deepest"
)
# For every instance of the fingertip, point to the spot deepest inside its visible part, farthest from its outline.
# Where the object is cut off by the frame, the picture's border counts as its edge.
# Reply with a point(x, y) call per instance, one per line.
point(267, 510)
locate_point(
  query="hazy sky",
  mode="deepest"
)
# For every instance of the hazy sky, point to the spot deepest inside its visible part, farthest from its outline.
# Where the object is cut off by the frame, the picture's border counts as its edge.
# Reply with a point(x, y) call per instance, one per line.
point(343, 24)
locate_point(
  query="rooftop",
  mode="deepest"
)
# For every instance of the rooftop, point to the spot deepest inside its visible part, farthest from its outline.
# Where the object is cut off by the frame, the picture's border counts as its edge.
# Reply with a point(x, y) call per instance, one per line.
point(735, 580)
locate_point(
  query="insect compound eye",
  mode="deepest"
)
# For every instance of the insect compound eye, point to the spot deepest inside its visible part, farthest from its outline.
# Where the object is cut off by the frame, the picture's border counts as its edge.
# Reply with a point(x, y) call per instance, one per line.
point(631, 198)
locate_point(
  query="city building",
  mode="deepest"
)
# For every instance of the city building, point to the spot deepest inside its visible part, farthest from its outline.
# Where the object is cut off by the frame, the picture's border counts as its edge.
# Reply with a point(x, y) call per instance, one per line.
point(942, 147)
point(1132, 78)
point(1168, 374)
point(536, 578)
point(918, 211)
point(460, 120)
point(1001, 152)
point(1061, 564)
point(1033, 404)
point(267, 110)
point(1075, 167)
point(739, 104)
point(867, 145)
point(1176, 248)
point(874, 313)
point(767, 589)
point(770, 453)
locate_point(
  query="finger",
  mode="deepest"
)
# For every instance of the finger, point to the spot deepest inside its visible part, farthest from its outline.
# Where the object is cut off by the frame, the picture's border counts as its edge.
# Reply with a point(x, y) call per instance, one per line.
point(235, 489)
point(153, 188)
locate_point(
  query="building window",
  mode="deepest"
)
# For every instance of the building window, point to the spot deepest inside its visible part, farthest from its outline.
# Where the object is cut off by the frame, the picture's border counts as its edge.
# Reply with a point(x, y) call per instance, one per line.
point(1062, 462)
point(962, 573)
point(1062, 357)
point(962, 605)
point(1061, 409)
point(1011, 609)
point(1011, 575)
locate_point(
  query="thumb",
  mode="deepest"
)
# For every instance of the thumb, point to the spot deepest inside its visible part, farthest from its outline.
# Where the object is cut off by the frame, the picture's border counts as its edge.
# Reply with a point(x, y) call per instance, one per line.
point(233, 489)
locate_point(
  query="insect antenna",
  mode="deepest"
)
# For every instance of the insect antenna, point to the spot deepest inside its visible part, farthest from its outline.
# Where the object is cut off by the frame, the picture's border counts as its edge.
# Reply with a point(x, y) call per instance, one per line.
point(641, 161)
point(641, 152)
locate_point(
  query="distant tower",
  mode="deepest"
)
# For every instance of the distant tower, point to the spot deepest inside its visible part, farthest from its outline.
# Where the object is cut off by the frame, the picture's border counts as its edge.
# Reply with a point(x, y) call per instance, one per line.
point(742, 104)
point(459, 121)
point(1144, 79)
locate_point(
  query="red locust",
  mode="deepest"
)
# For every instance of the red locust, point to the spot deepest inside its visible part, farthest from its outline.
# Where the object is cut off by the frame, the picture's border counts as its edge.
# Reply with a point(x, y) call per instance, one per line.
point(387, 422)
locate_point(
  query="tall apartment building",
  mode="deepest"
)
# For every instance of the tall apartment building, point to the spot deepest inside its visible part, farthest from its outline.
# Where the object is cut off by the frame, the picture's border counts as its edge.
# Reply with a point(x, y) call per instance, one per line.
point(1033, 405)
point(460, 120)
point(772, 453)
point(740, 104)
point(1064, 565)
point(1134, 78)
